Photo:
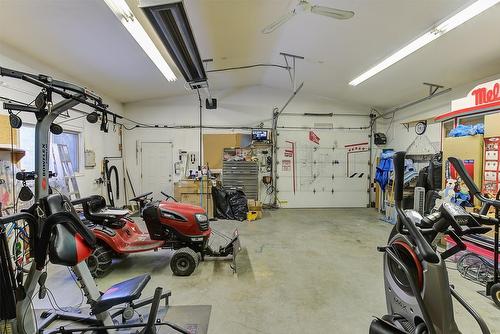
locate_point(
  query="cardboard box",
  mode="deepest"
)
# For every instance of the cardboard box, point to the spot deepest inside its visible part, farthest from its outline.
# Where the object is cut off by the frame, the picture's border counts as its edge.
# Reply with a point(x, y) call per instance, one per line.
point(254, 205)
point(214, 144)
point(492, 125)
point(193, 185)
point(188, 191)
point(469, 149)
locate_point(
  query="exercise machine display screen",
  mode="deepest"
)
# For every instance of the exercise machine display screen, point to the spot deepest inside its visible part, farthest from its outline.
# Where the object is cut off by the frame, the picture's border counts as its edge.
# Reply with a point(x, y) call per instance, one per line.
point(259, 135)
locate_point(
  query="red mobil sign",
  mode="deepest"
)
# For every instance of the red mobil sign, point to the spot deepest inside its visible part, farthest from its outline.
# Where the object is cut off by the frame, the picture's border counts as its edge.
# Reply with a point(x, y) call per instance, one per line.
point(313, 137)
point(481, 97)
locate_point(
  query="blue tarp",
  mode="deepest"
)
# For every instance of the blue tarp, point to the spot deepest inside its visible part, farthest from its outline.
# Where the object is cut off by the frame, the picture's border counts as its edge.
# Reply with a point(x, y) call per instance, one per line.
point(467, 130)
point(384, 169)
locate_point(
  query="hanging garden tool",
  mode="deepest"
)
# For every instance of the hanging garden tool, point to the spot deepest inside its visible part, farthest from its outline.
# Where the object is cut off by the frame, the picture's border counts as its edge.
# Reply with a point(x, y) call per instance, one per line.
point(107, 171)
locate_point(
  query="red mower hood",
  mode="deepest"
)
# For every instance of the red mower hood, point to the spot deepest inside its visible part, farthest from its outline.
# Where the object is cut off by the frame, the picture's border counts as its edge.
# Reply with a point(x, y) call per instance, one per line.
point(184, 209)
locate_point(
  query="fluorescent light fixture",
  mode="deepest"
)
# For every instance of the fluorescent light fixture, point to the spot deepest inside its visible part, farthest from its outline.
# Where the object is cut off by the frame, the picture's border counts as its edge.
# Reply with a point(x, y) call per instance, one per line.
point(124, 14)
point(464, 15)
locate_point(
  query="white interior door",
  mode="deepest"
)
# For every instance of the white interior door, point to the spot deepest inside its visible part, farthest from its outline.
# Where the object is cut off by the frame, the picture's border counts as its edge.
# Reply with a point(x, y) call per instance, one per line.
point(156, 168)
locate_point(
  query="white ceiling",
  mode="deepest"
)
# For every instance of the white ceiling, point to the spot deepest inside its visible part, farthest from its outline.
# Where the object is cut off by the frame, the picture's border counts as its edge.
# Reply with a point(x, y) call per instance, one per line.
point(84, 39)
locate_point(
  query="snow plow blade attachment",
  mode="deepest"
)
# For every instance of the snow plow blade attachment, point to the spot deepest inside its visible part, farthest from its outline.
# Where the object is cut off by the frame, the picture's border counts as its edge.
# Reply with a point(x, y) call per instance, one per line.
point(233, 247)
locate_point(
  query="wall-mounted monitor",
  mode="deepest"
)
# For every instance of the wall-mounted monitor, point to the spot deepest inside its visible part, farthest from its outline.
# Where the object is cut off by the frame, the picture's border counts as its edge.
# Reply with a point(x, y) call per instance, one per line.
point(260, 135)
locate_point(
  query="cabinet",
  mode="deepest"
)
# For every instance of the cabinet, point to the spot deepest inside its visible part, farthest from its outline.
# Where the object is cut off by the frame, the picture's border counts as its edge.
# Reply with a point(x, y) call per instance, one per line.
point(241, 175)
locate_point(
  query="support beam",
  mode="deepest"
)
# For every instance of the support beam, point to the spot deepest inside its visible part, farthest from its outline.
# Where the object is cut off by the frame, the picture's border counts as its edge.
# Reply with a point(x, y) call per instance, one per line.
point(433, 91)
point(276, 114)
point(291, 67)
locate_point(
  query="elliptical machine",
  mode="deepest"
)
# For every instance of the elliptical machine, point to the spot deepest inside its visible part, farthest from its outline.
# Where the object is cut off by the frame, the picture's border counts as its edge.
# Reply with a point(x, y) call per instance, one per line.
point(56, 234)
point(418, 291)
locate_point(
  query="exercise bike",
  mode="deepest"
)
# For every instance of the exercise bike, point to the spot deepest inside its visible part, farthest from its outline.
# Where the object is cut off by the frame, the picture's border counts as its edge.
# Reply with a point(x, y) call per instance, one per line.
point(185, 228)
point(56, 232)
point(417, 288)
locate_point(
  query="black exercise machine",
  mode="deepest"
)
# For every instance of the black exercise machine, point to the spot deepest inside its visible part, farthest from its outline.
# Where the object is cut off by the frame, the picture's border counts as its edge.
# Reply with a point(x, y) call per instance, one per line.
point(417, 288)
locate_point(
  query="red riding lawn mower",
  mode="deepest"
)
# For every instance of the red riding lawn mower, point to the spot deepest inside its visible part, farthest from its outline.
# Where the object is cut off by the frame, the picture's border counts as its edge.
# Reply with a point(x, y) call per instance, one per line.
point(182, 227)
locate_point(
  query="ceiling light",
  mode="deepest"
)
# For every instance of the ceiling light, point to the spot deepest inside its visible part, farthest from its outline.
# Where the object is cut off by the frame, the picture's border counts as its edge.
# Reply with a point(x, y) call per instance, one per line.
point(171, 23)
point(123, 12)
point(463, 16)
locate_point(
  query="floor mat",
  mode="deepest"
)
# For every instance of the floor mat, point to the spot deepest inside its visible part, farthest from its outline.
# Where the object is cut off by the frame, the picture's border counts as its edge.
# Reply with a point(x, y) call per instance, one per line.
point(194, 318)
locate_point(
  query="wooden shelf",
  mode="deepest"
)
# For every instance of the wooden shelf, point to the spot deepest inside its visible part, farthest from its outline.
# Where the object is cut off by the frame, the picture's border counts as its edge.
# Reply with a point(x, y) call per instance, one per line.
point(5, 153)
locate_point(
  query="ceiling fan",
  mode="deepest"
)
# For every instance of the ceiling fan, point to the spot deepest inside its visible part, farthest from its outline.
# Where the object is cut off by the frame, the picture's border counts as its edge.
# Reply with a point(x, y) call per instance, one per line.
point(304, 7)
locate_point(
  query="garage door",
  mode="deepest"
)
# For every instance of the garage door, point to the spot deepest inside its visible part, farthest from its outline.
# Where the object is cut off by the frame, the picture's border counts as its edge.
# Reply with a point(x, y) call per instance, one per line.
point(323, 168)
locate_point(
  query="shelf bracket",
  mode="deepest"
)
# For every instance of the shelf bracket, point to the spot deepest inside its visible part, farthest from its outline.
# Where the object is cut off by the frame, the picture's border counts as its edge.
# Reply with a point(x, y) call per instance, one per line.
point(433, 88)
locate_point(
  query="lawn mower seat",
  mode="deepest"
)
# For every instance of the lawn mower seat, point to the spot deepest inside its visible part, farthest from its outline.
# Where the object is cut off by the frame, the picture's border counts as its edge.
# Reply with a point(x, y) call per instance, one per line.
point(95, 210)
point(120, 293)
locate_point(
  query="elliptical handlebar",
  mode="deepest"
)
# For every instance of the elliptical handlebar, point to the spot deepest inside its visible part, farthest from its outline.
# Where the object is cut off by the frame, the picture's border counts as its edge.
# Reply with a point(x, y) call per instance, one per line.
point(473, 188)
point(425, 249)
point(399, 170)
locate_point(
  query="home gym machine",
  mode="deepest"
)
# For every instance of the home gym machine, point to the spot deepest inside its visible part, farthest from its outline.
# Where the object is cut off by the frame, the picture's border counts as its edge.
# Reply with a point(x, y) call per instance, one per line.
point(55, 230)
point(417, 288)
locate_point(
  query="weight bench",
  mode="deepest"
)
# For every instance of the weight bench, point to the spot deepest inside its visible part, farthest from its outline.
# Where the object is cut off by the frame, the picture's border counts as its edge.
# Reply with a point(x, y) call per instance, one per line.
point(126, 292)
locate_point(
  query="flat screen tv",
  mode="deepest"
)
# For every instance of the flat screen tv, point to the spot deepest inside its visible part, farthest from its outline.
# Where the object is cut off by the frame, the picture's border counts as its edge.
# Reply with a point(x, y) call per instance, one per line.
point(260, 135)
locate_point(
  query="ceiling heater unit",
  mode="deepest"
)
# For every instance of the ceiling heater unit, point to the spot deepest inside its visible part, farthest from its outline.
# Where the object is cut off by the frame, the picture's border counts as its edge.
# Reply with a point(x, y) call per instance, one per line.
point(170, 21)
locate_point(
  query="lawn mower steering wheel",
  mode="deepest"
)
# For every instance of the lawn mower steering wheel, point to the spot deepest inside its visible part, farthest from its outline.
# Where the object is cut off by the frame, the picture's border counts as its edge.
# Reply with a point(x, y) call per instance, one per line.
point(168, 196)
point(140, 197)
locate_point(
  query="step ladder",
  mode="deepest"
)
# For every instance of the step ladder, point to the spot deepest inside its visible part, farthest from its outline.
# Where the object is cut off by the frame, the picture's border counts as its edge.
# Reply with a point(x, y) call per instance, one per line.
point(68, 172)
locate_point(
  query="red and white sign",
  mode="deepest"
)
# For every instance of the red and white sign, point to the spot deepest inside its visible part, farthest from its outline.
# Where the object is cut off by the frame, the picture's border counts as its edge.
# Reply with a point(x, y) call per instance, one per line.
point(483, 96)
point(491, 174)
point(313, 137)
point(286, 165)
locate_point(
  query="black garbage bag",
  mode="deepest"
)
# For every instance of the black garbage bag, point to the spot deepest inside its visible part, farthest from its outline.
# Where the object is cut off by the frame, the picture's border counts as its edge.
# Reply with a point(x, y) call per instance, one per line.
point(222, 208)
point(238, 203)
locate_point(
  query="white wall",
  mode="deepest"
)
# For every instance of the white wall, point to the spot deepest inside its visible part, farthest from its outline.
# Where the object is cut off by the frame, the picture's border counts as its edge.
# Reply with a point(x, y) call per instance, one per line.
point(246, 107)
point(103, 144)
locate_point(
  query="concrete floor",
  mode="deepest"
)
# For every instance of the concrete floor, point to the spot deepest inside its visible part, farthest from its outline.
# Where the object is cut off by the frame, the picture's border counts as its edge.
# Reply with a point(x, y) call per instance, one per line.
point(303, 271)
